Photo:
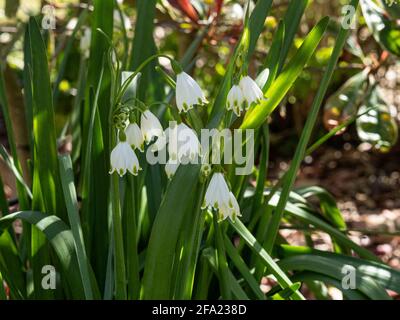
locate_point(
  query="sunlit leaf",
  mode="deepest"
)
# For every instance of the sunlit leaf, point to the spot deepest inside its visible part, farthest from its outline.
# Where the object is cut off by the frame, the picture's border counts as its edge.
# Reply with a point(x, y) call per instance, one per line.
point(385, 31)
point(377, 126)
point(343, 103)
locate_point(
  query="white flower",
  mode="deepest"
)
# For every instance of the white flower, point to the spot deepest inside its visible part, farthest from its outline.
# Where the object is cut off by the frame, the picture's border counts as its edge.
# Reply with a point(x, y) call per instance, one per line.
point(123, 158)
point(251, 91)
point(85, 42)
point(188, 144)
point(220, 198)
point(188, 92)
point(150, 126)
point(183, 143)
point(171, 167)
point(235, 100)
point(134, 136)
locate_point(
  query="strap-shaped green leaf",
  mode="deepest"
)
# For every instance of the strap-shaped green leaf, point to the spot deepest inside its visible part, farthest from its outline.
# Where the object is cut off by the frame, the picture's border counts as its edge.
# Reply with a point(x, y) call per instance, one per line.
point(62, 241)
point(164, 234)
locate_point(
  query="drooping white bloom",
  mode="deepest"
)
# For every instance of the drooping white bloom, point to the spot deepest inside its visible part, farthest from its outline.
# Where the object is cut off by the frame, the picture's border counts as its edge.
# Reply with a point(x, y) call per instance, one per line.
point(123, 159)
point(251, 91)
point(220, 198)
point(150, 126)
point(171, 167)
point(183, 143)
point(188, 92)
point(188, 144)
point(134, 136)
point(235, 100)
point(85, 42)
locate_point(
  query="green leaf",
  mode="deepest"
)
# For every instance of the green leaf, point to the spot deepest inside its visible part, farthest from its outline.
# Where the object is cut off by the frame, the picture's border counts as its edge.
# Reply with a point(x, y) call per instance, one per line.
point(67, 52)
point(257, 21)
point(328, 205)
point(284, 82)
point(23, 191)
point(386, 276)
point(334, 268)
point(46, 179)
point(274, 56)
point(222, 263)
point(281, 277)
point(189, 248)
point(144, 46)
point(164, 235)
point(67, 180)
point(309, 218)
point(62, 241)
point(210, 255)
point(11, 266)
point(95, 215)
point(3, 295)
point(18, 176)
point(344, 102)
point(311, 277)
point(377, 126)
point(46, 174)
point(286, 293)
point(291, 22)
point(243, 269)
point(385, 32)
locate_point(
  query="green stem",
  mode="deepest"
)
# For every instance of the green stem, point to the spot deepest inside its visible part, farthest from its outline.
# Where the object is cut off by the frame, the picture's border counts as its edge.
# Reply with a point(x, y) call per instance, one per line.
point(120, 270)
point(223, 270)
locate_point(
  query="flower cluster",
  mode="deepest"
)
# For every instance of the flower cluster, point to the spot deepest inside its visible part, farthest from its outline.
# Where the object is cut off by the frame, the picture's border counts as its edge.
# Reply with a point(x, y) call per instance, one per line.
point(181, 141)
point(123, 157)
point(242, 95)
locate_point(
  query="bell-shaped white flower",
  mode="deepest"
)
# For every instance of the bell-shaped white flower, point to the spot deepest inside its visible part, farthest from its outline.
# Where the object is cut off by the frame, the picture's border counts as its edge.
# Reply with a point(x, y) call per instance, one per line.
point(188, 92)
point(235, 100)
point(171, 167)
point(251, 92)
point(189, 146)
point(220, 198)
point(183, 143)
point(134, 136)
point(123, 159)
point(150, 126)
point(85, 42)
